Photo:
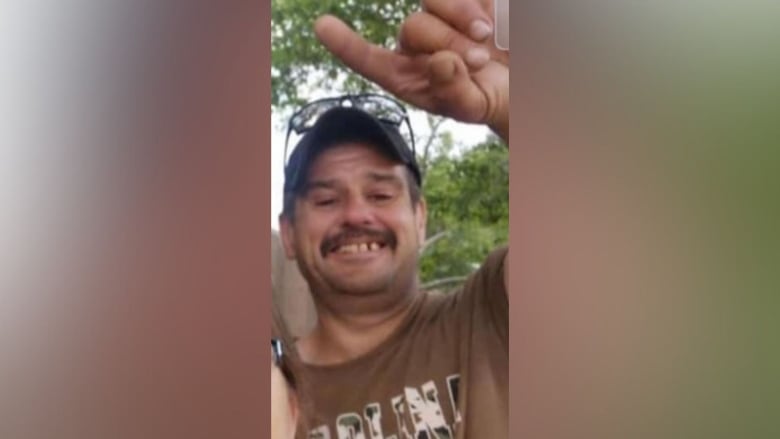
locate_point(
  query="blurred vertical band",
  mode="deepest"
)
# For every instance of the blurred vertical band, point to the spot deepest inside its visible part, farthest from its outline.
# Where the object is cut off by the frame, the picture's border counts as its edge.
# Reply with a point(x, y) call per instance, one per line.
point(644, 196)
point(134, 262)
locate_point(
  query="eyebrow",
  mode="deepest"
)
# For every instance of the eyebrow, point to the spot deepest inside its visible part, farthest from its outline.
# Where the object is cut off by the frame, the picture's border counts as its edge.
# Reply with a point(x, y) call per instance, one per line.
point(384, 177)
point(377, 177)
point(319, 184)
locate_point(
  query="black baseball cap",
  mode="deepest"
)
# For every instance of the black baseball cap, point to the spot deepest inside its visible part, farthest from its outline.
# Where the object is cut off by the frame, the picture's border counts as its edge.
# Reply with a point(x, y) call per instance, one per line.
point(346, 124)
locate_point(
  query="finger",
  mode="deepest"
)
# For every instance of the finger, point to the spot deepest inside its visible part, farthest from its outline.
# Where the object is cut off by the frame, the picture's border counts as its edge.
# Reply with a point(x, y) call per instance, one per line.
point(425, 33)
point(453, 91)
point(376, 63)
point(470, 17)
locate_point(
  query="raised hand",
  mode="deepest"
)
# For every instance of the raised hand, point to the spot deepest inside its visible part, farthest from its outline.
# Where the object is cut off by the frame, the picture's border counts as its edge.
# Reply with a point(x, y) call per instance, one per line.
point(445, 61)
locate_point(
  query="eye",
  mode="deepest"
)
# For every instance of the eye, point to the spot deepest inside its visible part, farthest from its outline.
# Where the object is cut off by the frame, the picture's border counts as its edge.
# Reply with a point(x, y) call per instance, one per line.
point(322, 202)
point(380, 196)
point(322, 197)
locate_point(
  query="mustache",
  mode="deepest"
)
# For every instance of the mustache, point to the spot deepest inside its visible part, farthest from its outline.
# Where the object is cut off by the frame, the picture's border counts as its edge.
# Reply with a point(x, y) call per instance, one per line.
point(332, 242)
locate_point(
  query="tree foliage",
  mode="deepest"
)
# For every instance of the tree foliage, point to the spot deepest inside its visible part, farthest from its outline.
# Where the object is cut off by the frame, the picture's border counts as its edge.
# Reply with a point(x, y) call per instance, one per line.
point(468, 214)
point(298, 59)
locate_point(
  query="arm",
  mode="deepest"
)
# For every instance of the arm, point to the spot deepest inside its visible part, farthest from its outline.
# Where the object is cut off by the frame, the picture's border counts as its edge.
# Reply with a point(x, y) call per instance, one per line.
point(445, 62)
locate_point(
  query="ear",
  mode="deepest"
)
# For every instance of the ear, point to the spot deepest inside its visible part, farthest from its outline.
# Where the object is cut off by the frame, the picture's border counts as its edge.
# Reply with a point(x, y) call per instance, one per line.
point(288, 236)
point(421, 218)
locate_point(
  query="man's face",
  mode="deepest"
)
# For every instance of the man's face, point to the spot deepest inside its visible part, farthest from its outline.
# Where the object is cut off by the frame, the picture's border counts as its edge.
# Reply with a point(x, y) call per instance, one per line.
point(355, 229)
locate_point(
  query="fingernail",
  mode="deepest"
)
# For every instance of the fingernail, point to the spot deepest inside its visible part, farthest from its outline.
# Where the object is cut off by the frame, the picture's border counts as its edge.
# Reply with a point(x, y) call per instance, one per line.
point(480, 30)
point(477, 56)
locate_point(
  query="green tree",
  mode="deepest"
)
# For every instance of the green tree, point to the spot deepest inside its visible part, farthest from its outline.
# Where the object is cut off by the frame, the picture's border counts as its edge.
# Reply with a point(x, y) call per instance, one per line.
point(468, 214)
point(297, 58)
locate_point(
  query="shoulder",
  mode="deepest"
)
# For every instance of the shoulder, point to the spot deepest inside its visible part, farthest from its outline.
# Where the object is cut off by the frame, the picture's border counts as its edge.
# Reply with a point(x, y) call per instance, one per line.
point(491, 273)
point(484, 292)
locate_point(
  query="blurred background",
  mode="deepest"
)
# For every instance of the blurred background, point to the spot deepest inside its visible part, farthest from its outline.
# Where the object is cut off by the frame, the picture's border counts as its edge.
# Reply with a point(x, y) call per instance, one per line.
point(645, 204)
point(133, 271)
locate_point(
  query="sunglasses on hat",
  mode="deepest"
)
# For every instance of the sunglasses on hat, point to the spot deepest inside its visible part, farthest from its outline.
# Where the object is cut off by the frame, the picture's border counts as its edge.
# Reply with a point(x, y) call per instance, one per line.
point(383, 108)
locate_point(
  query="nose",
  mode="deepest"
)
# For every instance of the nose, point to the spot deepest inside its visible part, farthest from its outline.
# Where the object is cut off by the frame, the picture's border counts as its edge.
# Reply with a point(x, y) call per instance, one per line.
point(357, 211)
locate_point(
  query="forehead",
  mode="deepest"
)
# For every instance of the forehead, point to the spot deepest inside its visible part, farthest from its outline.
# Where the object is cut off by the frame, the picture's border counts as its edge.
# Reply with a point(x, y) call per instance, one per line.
point(351, 159)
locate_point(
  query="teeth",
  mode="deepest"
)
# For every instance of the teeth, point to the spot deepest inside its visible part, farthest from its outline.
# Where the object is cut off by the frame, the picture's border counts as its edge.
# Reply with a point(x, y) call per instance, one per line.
point(348, 248)
point(359, 248)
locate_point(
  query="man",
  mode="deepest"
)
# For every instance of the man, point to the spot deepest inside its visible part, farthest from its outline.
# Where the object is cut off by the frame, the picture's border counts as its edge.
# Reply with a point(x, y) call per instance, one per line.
point(385, 360)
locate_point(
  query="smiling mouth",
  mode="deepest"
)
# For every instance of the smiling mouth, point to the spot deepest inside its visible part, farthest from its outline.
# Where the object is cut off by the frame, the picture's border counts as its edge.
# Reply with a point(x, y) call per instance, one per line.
point(362, 247)
point(357, 242)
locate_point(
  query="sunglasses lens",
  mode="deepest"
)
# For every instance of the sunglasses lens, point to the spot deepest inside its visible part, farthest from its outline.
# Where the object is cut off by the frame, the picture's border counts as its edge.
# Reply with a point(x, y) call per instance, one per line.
point(383, 109)
point(380, 107)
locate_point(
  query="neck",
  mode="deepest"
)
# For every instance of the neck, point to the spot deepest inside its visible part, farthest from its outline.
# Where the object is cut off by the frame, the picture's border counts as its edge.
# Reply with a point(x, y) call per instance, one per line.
point(340, 336)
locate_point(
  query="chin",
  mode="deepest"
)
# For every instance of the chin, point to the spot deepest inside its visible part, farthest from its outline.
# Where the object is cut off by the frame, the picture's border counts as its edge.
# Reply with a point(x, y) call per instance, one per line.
point(356, 287)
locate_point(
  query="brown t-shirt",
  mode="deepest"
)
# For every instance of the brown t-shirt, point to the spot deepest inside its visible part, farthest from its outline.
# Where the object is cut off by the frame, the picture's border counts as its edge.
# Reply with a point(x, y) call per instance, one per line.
point(442, 374)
